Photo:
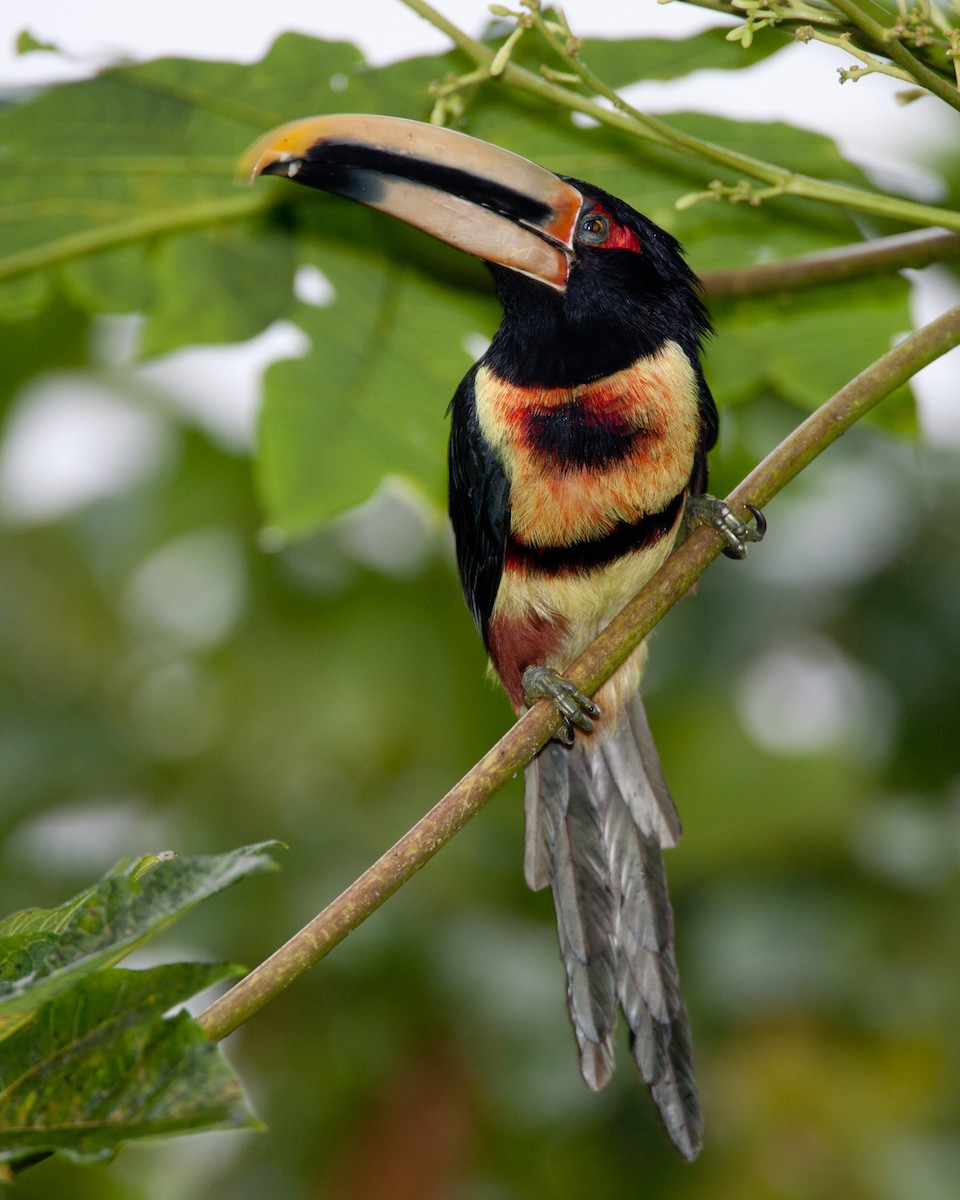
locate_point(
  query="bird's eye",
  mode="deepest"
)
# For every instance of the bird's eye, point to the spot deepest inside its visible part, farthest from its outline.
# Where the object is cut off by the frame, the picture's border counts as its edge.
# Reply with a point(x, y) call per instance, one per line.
point(594, 229)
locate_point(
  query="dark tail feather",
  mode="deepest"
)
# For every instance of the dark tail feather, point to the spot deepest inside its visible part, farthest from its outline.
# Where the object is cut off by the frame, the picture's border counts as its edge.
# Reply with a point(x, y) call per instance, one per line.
point(648, 986)
point(566, 848)
point(597, 815)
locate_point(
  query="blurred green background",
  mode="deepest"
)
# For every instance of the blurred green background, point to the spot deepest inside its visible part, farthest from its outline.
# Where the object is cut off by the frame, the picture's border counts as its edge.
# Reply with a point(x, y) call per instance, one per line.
point(176, 673)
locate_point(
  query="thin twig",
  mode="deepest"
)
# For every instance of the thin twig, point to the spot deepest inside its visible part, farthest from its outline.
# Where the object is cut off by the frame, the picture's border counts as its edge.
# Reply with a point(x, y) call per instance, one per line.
point(885, 41)
point(790, 21)
point(871, 64)
point(596, 664)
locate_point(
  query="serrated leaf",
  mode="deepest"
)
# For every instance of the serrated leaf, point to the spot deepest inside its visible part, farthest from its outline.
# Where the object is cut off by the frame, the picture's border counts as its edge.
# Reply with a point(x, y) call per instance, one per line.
point(101, 1064)
point(43, 952)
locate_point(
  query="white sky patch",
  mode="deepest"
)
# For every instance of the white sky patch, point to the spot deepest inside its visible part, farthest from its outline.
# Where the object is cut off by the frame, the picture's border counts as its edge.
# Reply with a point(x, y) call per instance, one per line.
point(311, 286)
point(476, 345)
point(86, 835)
point(220, 387)
point(68, 442)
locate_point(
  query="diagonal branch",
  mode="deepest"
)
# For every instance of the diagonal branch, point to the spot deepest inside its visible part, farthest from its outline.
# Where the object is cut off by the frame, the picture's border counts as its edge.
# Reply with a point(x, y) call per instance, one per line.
point(627, 119)
point(596, 664)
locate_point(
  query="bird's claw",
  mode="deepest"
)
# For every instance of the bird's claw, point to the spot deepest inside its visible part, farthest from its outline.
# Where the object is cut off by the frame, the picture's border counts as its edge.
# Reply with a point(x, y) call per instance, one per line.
point(576, 709)
point(708, 510)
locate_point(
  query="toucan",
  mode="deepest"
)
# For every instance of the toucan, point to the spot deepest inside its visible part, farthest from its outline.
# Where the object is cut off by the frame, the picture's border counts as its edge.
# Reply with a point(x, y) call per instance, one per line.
point(578, 453)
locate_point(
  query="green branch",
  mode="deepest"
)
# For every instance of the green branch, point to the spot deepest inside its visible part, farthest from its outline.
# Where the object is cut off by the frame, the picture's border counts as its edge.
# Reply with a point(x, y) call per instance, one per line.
point(596, 664)
point(787, 19)
point(871, 64)
point(627, 119)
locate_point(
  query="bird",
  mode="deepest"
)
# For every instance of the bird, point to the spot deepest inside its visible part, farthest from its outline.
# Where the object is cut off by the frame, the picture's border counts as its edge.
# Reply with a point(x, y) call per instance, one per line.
point(577, 460)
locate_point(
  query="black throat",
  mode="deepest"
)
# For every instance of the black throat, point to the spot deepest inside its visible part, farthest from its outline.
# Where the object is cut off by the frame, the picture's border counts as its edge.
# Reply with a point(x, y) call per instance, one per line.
point(545, 340)
point(614, 311)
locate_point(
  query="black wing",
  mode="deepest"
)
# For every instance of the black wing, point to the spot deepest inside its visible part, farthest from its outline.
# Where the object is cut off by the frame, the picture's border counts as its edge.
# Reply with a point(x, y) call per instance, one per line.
point(709, 423)
point(479, 506)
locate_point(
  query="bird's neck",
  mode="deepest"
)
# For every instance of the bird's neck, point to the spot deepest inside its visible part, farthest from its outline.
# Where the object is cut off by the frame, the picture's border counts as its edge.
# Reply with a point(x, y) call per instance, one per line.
point(547, 350)
point(546, 339)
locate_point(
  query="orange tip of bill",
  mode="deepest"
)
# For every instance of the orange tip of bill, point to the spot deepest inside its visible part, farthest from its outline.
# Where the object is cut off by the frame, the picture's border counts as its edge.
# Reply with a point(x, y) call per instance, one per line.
point(287, 142)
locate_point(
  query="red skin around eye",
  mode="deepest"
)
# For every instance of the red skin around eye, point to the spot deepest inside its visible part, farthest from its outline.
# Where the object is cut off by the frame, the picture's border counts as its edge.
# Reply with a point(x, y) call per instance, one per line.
point(619, 237)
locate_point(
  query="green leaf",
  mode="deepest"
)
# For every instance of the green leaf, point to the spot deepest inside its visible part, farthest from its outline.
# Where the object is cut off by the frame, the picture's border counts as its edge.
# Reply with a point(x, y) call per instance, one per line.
point(44, 952)
point(119, 279)
point(635, 60)
point(45, 338)
point(150, 151)
point(368, 400)
point(789, 345)
point(100, 1065)
point(23, 296)
point(249, 280)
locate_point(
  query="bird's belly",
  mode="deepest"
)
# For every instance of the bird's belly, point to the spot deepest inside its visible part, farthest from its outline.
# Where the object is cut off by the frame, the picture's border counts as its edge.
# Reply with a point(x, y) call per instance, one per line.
point(550, 618)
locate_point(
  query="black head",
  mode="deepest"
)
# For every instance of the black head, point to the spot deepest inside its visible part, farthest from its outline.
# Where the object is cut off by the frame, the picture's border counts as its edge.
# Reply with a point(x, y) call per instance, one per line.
point(629, 290)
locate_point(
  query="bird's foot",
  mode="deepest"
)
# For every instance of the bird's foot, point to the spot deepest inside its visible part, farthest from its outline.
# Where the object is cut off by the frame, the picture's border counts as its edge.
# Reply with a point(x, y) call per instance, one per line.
point(708, 510)
point(576, 709)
